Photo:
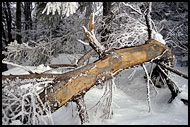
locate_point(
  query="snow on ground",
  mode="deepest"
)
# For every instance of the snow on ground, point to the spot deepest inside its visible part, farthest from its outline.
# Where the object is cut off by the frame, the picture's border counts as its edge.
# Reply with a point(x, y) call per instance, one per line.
point(131, 106)
point(129, 100)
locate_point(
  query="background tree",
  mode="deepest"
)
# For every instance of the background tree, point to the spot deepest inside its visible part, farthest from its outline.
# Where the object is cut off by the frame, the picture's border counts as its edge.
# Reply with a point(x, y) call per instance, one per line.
point(8, 17)
point(18, 22)
point(107, 18)
point(27, 19)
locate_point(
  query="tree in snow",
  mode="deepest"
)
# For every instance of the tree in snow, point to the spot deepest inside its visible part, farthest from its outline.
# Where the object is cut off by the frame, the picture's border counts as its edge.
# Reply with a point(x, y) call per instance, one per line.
point(127, 43)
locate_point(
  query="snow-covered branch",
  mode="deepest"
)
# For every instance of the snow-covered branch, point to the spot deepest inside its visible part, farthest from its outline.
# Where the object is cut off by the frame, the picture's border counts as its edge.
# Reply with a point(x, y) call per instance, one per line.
point(16, 65)
point(62, 8)
point(148, 20)
point(100, 49)
point(148, 87)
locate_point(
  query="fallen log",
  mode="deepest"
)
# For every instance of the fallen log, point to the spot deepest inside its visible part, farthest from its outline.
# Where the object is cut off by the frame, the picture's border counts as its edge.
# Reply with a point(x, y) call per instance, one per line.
point(71, 83)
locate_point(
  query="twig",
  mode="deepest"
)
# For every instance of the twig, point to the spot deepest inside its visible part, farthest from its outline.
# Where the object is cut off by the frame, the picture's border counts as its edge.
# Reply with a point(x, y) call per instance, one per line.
point(148, 88)
point(62, 65)
point(128, 5)
point(83, 42)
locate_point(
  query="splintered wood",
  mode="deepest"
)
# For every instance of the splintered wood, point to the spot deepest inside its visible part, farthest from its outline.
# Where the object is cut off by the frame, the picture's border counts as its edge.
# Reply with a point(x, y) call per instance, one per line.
point(117, 60)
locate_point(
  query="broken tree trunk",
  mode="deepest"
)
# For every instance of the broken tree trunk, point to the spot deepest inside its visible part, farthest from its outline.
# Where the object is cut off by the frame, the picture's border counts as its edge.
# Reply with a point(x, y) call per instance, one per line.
point(72, 83)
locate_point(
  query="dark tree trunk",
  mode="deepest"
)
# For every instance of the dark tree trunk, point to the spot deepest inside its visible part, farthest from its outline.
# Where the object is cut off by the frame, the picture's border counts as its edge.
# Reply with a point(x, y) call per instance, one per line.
point(18, 21)
point(4, 66)
point(27, 16)
point(8, 17)
point(88, 10)
point(4, 41)
point(106, 8)
point(107, 17)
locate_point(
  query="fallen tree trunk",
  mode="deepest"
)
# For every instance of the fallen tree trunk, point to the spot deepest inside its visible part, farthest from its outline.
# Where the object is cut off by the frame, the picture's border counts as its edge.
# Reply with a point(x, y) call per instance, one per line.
point(72, 83)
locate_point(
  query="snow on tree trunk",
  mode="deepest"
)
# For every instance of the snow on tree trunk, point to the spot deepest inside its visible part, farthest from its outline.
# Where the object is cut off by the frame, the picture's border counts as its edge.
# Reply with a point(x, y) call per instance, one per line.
point(84, 78)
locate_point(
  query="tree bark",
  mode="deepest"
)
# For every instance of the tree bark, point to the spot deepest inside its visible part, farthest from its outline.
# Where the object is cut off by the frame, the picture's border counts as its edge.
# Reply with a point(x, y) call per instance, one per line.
point(18, 21)
point(4, 40)
point(82, 60)
point(69, 84)
point(8, 17)
point(81, 108)
point(27, 14)
point(148, 20)
point(28, 19)
point(107, 17)
point(4, 66)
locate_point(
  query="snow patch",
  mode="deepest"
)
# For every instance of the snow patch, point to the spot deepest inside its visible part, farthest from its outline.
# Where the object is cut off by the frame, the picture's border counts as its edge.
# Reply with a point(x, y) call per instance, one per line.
point(157, 36)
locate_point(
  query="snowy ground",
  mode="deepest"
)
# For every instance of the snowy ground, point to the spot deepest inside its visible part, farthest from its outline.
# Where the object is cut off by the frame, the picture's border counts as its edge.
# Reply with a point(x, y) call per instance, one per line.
point(129, 100)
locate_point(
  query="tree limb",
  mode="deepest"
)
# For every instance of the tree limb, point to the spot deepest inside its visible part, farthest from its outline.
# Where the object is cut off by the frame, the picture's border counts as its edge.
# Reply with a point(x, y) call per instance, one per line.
point(172, 70)
point(16, 65)
point(148, 20)
point(93, 42)
point(171, 85)
point(62, 65)
point(85, 57)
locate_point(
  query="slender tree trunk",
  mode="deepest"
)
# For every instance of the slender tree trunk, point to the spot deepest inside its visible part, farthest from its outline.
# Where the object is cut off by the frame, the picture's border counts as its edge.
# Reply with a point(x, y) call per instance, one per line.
point(107, 17)
point(27, 16)
point(18, 21)
point(8, 20)
point(4, 66)
point(4, 41)
point(148, 20)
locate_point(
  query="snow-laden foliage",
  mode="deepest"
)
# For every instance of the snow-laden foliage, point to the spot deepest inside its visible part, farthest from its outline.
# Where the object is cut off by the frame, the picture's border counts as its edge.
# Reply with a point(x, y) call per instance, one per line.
point(63, 8)
point(21, 103)
point(171, 20)
point(49, 43)
point(51, 13)
point(37, 54)
point(128, 27)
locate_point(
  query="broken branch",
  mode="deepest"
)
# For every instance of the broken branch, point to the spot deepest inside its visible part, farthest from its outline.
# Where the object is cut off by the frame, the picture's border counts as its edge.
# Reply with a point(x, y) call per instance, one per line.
point(172, 70)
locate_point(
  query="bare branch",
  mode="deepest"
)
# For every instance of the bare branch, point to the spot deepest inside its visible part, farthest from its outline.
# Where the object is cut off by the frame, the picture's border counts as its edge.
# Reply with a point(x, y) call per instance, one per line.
point(16, 65)
point(171, 85)
point(85, 57)
point(148, 20)
point(93, 42)
point(128, 5)
point(148, 88)
point(62, 65)
point(83, 42)
point(173, 70)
